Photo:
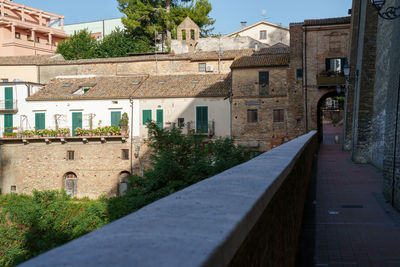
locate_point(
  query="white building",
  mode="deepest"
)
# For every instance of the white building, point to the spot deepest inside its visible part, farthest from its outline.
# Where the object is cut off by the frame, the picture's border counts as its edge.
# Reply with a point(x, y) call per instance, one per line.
point(98, 29)
point(13, 104)
point(198, 103)
point(264, 32)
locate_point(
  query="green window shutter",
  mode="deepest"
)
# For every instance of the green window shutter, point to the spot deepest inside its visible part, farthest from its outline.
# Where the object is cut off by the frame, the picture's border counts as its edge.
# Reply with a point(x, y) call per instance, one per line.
point(8, 123)
point(146, 116)
point(40, 121)
point(115, 118)
point(8, 97)
point(160, 118)
point(201, 119)
point(76, 121)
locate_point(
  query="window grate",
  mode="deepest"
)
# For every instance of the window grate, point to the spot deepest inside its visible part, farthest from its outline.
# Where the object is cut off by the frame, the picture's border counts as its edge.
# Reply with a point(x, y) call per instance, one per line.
point(71, 155)
point(125, 154)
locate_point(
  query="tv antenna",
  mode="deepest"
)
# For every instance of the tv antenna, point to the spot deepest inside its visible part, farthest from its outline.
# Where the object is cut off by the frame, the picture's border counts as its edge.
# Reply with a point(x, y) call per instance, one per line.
point(264, 15)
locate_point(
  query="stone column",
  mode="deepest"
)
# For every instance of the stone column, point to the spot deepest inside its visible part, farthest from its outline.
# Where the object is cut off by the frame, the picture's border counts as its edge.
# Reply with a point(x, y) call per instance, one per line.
point(12, 32)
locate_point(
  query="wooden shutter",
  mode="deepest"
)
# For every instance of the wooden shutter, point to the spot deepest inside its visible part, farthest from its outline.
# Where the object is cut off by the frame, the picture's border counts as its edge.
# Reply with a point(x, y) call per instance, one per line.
point(8, 123)
point(40, 121)
point(202, 119)
point(76, 121)
point(160, 118)
point(146, 116)
point(115, 118)
point(8, 97)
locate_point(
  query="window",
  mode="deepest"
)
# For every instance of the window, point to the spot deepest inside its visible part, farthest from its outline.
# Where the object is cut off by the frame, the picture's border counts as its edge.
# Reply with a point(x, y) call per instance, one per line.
point(70, 184)
point(202, 119)
point(202, 67)
point(18, 35)
point(263, 81)
point(192, 34)
point(279, 115)
point(146, 116)
point(28, 37)
point(115, 118)
point(85, 90)
point(299, 73)
point(263, 35)
point(70, 155)
point(335, 64)
point(252, 115)
point(125, 154)
point(40, 121)
point(181, 122)
point(160, 118)
point(37, 39)
point(13, 189)
point(4, 80)
point(184, 35)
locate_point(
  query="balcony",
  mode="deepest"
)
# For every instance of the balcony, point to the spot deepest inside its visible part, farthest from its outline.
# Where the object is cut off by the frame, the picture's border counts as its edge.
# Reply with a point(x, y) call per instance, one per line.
point(30, 44)
point(330, 81)
point(8, 106)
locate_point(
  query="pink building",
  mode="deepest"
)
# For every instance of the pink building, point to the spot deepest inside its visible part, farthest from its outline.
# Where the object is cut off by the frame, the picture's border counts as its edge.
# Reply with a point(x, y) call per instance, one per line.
point(28, 31)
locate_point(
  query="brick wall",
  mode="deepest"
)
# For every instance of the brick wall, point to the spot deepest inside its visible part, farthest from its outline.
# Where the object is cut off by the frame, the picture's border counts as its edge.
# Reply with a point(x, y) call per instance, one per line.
point(265, 134)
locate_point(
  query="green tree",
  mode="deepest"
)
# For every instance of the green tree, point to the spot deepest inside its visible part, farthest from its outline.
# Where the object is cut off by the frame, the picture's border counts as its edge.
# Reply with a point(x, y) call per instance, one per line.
point(119, 44)
point(80, 45)
point(146, 17)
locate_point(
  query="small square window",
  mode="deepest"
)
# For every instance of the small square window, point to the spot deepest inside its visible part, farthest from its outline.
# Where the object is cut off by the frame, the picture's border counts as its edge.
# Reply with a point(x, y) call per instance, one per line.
point(202, 67)
point(125, 154)
point(263, 35)
point(13, 189)
point(18, 35)
point(299, 73)
point(181, 122)
point(71, 155)
point(252, 115)
point(279, 115)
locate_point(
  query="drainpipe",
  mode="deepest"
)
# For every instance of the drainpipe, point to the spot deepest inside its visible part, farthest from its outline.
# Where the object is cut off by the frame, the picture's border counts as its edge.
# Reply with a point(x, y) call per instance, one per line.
point(305, 75)
point(131, 150)
point(396, 128)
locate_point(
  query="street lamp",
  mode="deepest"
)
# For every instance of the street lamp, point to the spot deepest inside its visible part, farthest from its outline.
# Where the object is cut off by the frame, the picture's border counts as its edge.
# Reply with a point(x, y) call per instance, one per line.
point(346, 70)
point(390, 13)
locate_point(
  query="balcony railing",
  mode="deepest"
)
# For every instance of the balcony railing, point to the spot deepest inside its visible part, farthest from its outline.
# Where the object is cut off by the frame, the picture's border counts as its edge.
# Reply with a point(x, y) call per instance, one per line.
point(328, 81)
point(206, 128)
point(8, 106)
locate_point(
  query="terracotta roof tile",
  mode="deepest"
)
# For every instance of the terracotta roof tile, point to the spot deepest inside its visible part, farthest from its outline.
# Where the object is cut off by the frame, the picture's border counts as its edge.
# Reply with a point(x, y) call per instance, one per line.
point(100, 87)
point(31, 60)
point(192, 85)
point(327, 21)
point(116, 87)
point(213, 55)
point(261, 61)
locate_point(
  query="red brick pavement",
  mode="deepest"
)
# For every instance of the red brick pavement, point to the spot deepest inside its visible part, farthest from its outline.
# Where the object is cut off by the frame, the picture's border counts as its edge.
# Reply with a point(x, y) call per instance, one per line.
point(347, 222)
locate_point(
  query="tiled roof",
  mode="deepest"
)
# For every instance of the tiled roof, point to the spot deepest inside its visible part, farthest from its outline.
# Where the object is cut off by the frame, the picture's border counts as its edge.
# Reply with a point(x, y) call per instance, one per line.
point(31, 60)
point(261, 61)
point(327, 21)
point(274, 50)
point(101, 87)
point(117, 87)
point(192, 85)
point(213, 55)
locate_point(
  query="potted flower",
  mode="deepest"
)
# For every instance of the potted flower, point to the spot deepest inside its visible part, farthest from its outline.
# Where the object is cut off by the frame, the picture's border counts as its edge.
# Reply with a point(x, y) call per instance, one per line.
point(123, 123)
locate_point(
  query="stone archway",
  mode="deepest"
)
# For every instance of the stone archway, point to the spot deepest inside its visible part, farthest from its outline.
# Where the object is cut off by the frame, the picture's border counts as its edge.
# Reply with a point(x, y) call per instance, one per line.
point(123, 178)
point(70, 184)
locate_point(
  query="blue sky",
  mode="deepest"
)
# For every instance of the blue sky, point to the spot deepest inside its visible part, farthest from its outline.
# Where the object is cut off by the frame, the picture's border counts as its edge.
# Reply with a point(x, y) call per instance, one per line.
point(228, 13)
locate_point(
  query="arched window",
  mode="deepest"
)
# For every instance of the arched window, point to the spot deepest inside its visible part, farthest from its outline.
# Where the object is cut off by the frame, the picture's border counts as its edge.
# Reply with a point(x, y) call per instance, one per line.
point(70, 184)
point(123, 182)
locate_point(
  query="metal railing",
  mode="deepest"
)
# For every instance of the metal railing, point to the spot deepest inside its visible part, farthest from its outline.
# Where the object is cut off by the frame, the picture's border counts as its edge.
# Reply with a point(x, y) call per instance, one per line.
point(206, 128)
point(8, 105)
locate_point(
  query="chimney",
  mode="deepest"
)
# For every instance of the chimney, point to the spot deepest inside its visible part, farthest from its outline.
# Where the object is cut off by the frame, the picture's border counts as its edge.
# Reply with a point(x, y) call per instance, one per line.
point(243, 24)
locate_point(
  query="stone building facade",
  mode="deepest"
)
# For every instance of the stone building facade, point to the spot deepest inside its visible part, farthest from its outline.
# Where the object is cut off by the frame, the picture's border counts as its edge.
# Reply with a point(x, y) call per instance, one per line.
point(99, 166)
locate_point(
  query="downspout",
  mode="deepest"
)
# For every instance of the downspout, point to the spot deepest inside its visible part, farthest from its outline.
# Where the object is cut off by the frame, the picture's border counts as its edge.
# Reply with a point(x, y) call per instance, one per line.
point(305, 75)
point(396, 128)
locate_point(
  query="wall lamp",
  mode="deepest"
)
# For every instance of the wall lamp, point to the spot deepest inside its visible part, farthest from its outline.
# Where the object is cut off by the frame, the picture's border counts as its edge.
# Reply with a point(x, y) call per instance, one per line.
point(388, 13)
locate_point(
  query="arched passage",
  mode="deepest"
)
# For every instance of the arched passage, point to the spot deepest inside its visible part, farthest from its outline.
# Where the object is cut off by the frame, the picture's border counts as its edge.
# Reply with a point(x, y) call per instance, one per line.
point(320, 106)
point(70, 184)
point(123, 182)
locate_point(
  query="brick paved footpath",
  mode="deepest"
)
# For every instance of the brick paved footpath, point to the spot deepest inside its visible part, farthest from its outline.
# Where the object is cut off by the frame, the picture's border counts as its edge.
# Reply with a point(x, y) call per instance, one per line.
point(347, 222)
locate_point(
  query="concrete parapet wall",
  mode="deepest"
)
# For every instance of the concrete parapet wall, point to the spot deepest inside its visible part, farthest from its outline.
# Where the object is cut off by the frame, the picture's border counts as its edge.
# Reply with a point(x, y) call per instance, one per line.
point(249, 215)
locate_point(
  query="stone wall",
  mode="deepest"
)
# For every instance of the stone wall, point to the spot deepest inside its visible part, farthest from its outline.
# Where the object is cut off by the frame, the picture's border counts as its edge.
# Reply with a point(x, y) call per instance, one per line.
point(249, 215)
point(388, 81)
point(41, 166)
